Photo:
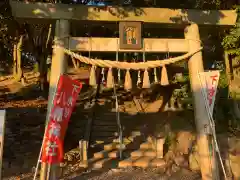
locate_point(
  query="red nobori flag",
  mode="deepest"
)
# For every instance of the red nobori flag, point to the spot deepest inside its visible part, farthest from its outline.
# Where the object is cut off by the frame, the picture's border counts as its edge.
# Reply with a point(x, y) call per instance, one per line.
point(63, 104)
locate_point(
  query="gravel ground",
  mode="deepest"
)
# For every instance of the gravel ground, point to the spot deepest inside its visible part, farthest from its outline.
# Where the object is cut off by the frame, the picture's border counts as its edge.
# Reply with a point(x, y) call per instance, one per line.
point(137, 174)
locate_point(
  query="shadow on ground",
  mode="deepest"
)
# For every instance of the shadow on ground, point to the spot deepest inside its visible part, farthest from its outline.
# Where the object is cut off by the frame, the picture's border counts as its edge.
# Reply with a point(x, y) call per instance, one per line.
point(25, 127)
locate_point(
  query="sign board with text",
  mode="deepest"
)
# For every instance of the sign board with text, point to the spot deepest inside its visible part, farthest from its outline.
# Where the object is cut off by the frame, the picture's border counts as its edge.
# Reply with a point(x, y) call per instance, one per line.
point(210, 83)
point(63, 104)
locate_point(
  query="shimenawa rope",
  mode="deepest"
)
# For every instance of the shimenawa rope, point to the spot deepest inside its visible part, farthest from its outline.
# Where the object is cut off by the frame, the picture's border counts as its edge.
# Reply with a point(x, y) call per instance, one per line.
point(127, 65)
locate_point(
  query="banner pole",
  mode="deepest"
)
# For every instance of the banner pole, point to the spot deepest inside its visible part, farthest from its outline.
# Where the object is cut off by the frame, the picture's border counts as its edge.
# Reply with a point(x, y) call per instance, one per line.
point(45, 131)
point(48, 172)
point(59, 61)
point(62, 107)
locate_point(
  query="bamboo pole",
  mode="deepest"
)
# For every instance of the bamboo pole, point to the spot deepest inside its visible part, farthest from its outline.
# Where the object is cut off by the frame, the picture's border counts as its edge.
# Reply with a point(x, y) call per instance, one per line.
point(195, 64)
point(58, 67)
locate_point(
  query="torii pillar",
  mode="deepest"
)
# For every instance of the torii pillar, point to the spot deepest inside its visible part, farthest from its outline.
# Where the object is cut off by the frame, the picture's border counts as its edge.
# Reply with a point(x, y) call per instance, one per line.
point(58, 67)
point(207, 159)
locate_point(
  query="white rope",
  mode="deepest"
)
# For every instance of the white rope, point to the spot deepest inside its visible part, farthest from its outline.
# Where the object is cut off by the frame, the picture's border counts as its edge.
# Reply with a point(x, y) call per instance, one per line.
point(127, 65)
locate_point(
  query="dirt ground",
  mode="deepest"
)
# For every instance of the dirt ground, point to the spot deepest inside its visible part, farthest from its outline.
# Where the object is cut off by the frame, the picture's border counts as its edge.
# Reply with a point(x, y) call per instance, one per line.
point(26, 113)
point(25, 123)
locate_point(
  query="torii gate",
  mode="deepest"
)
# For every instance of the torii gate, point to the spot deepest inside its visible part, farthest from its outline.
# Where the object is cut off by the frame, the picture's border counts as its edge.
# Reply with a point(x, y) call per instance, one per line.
point(187, 19)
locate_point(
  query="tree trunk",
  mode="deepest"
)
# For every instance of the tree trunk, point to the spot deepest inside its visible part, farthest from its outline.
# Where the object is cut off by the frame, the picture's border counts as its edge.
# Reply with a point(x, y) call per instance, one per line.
point(43, 68)
point(15, 60)
point(19, 74)
point(44, 85)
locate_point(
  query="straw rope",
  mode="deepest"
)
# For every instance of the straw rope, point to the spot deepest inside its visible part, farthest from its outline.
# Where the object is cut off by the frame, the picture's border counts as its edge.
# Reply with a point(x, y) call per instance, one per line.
point(127, 65)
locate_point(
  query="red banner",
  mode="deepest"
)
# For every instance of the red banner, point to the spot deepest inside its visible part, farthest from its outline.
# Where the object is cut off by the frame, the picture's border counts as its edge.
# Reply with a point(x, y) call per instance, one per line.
point(63, 104)
point(210, 83)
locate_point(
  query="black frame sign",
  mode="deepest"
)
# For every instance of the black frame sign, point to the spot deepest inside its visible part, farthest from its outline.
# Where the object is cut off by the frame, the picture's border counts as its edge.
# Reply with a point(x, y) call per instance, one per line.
point(130, 35)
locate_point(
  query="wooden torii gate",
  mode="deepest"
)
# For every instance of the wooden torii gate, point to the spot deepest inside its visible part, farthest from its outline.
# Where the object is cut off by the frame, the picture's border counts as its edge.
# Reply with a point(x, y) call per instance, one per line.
point(187, 19)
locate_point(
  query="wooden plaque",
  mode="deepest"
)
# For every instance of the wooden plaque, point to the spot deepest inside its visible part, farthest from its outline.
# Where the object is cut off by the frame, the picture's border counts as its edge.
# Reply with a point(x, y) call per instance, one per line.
point(130, 35)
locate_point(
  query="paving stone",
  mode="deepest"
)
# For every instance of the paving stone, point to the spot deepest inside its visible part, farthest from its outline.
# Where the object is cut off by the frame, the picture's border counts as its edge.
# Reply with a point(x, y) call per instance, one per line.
point(146, 145)
point(158, 163)
point(106, 163)
point(109, 147)
point(147, 153)
point(127, 162)
point(143, 162)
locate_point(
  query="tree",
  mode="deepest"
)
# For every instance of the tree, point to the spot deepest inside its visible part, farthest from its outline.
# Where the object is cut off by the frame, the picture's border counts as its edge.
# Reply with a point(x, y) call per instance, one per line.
point(17, 38)
point(231, 42)
point(37, 38)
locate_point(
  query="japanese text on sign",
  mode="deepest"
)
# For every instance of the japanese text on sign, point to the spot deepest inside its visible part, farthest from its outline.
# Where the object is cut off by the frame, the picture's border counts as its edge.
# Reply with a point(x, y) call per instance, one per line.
point(64, 102)
point(212, 89)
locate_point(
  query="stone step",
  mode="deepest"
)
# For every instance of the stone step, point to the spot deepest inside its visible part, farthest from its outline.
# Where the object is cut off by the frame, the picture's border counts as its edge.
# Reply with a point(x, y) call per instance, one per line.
point(112, 162)
point(99, 143)
point(107, 128)
point(134, 144)
point(124, 145)
point(147, 153)
point(108, 119)
point(143, 161)
point(128, 140)
point(125, 140)
point(136, 133)
point(101, 154)
point(102, 135)
point(158, 162)
point(116, 153)
point(111, 154)
point(127, 162)
point(109, 147)
point(89, 163)
point(131, 134)
point(146, 146)
point(106, 163)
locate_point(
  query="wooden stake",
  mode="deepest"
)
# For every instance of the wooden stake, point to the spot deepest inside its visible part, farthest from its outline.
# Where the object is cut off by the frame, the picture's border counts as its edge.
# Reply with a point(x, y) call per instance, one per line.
point(159, 143)
point(2, 132)
point(195, 65)
point(59, 66)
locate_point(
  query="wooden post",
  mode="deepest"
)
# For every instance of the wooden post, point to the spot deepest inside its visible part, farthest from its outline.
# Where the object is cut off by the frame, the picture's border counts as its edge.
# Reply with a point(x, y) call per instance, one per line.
point(83, 146)
point(58, 67)
point(159, 143)
point(195, 65)
point(2, 132)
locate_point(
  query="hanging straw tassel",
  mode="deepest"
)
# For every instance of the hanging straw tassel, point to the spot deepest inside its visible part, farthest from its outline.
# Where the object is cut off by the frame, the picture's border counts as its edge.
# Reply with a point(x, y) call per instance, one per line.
point(155, 75)
point(139, 78)
point(92, 78)
point(119, 76)
point(146, 81)
point(110, 78)
point(128, 81)
point(164, 76)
